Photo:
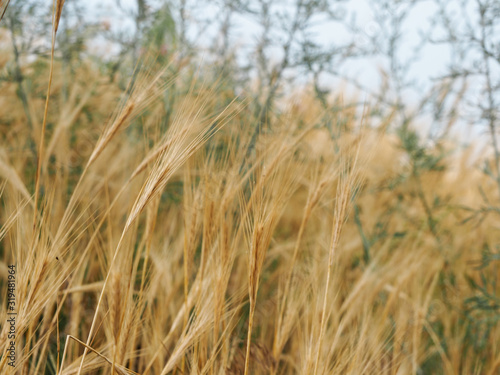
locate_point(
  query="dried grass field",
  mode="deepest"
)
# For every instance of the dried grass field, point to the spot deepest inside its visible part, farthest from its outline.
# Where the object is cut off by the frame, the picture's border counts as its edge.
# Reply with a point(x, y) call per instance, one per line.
point(162, 228)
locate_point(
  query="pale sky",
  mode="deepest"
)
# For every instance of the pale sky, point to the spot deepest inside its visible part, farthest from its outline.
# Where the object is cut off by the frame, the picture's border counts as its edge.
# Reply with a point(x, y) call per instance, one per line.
point(430, 63)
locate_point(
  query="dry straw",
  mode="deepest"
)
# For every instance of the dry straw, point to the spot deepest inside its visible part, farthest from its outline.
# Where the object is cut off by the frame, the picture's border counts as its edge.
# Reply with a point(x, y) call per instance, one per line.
point(166, 238)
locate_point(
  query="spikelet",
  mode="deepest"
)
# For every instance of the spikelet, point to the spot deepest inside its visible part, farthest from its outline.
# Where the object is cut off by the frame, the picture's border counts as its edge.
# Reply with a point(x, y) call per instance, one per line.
point(59, 7)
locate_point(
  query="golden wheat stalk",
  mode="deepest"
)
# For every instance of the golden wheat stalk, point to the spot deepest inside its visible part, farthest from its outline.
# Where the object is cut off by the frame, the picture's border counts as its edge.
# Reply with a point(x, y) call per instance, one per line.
point(347, 184)
point(56, 12)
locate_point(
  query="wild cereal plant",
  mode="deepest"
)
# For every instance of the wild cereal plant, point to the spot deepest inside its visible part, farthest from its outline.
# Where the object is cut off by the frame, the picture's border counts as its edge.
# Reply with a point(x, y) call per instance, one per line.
point(182, 234)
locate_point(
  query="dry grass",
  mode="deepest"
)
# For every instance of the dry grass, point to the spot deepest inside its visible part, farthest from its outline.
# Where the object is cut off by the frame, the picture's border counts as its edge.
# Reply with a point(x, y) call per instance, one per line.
point(164, 247)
